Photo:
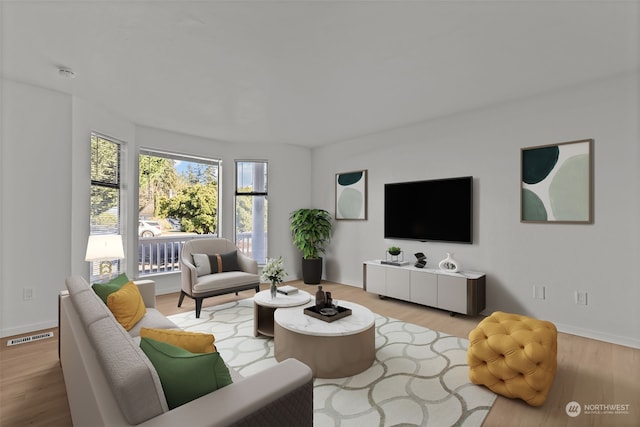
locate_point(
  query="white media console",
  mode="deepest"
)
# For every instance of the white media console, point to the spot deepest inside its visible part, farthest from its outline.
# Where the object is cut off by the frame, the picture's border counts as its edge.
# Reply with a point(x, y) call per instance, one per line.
point(463, 292)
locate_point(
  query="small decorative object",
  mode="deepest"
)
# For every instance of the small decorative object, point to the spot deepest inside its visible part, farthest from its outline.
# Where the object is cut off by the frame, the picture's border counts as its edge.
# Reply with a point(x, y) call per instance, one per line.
point(394, 256)
point(394, 250)
point(274, 272)
point(321, 298)
point(287, 290)
point(328, 311)
point(449, 264)
point(421, 259)
point(328, 314)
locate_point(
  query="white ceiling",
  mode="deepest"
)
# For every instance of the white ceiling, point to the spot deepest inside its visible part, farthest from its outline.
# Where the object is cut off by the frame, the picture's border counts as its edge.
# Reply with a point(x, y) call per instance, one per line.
point(311, 72)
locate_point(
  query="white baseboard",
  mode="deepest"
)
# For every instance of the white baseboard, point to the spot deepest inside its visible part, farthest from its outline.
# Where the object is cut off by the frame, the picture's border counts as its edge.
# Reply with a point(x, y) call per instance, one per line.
point(568, 329)
point(600, 336)
point(27, 329)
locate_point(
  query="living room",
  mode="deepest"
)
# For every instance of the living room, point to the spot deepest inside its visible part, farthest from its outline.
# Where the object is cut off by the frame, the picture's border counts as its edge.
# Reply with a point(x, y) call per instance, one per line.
point(44, 212)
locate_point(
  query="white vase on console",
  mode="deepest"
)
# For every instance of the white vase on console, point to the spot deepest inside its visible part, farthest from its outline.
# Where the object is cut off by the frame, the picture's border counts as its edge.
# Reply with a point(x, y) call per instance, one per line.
point(449, 264)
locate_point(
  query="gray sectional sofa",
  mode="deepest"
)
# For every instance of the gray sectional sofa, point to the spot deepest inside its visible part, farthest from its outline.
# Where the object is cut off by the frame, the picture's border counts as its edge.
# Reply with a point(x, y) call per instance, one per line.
point(111, 382)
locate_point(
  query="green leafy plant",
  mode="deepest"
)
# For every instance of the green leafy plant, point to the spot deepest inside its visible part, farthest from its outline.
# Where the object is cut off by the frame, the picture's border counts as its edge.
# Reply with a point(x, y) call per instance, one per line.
point(311, 231)
point(394, 250)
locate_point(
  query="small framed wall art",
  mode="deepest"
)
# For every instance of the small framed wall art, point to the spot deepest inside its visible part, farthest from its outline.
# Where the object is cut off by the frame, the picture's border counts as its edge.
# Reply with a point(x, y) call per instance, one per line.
point(351, 195)
point(557, 183)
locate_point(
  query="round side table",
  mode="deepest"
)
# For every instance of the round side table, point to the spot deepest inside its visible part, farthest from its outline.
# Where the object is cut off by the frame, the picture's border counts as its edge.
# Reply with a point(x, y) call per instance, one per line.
point(264, 306)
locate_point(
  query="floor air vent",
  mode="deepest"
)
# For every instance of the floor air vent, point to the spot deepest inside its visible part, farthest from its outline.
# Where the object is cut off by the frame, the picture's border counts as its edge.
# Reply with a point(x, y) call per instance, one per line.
point(31, 338)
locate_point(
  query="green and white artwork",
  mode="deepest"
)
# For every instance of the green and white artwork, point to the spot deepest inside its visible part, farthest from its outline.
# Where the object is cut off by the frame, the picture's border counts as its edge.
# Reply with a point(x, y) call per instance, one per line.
point(351, 195)
point(557, 183)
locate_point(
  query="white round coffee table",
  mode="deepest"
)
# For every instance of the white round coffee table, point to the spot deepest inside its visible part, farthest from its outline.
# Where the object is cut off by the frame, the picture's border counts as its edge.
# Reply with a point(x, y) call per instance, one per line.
point(336, 349)
point(264, 306)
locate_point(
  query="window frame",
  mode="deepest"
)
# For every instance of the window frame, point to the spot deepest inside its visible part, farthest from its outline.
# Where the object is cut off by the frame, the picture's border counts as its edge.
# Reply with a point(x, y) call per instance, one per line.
point(167, 252)
point(264, 193)
point(119, 185)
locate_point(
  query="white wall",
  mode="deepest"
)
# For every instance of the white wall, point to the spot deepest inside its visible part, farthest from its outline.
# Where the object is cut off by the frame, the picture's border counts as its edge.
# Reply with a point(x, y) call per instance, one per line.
point(45, 187)
point(36, 216)
point(601, 258)
point(45, 197)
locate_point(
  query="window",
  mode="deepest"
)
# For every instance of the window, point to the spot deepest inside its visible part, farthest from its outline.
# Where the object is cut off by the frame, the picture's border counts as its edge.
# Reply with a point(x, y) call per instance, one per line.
point(251, 209)
point(177, 201)
point(105, 209)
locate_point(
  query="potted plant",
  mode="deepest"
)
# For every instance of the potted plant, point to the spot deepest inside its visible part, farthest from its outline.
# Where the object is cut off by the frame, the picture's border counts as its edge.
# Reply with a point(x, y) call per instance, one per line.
point(311, 231)
point(394, 250)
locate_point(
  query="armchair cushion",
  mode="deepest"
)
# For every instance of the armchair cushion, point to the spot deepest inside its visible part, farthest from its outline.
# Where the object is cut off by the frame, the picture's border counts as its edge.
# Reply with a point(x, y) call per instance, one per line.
point(216, 263)
point(127, 305)
point(105, 289)
point(195, 342)
point(185, 376)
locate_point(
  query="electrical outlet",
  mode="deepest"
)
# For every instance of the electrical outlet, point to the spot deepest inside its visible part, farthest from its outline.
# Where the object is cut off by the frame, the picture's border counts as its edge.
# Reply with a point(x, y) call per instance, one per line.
point(538, 292)
point(27, 294)
point(581, 297)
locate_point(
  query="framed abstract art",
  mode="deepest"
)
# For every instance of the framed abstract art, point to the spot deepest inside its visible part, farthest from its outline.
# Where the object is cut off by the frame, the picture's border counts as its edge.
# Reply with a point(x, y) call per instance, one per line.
point(351, 195)
point(557, 183)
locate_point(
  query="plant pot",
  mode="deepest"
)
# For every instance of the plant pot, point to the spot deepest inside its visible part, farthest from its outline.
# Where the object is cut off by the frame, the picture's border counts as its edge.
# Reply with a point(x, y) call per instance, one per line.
point(312, 271)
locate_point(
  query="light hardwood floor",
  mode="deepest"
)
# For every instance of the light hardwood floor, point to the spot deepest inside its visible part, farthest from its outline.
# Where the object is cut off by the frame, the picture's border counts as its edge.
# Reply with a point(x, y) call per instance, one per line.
point(589, 372)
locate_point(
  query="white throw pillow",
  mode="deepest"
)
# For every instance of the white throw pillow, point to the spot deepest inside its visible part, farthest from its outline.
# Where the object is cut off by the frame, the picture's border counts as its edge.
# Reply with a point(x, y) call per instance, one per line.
point(203, 266)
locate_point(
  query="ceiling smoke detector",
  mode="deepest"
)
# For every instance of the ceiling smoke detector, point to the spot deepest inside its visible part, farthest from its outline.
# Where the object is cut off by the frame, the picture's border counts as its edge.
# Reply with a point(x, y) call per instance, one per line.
point(66, 73)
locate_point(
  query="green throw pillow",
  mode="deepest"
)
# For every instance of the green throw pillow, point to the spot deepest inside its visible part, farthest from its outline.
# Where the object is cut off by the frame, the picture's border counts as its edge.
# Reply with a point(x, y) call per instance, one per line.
point(185, 376)
point(105, 289)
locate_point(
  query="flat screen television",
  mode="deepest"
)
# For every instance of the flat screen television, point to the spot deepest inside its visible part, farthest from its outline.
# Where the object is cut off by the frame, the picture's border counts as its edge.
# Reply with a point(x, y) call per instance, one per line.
point(438, 210)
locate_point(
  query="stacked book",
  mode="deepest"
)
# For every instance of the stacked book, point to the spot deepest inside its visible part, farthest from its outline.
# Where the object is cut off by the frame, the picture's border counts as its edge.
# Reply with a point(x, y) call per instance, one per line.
point(287, 290)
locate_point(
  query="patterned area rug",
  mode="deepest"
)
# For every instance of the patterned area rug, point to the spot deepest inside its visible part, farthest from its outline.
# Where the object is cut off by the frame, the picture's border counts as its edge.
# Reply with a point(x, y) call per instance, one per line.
point(419, 377)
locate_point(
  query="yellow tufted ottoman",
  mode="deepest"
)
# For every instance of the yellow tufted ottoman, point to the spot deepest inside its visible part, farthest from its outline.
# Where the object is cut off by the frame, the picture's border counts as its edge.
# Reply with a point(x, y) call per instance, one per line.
point(514, 356)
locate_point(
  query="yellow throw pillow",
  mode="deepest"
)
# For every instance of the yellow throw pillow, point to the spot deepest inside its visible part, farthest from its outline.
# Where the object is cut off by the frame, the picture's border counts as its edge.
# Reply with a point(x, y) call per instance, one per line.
point(194, 342)
point(127, 305)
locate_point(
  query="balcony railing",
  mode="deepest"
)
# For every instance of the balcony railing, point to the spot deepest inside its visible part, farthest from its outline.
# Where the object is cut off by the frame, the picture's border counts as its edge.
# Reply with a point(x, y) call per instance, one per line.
point(161, 254)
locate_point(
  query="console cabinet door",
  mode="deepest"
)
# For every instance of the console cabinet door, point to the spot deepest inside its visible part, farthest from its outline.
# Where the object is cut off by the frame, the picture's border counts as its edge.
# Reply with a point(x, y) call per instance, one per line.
point(398, 283)
point(452, 293)
point(376, 279)
point(424, 288)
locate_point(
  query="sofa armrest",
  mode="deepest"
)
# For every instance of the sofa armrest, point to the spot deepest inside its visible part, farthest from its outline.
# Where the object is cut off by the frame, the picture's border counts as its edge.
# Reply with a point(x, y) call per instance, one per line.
point(147, 289)
point(235, 403)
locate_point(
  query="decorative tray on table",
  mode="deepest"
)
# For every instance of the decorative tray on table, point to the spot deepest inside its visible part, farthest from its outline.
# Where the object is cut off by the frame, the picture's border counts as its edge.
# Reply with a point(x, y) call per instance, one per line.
point(328, 314)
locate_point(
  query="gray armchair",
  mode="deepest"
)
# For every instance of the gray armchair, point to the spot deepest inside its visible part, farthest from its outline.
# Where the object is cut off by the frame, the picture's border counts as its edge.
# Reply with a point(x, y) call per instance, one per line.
point(214, 266)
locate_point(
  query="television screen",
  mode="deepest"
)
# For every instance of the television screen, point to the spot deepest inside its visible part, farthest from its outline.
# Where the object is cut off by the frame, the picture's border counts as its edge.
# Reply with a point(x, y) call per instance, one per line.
point(439, 210)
